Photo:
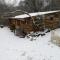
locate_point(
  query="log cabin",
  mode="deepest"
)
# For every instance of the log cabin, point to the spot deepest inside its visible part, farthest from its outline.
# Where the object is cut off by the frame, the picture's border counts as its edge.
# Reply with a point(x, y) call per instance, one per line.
point(42, 20)
point(52, 20)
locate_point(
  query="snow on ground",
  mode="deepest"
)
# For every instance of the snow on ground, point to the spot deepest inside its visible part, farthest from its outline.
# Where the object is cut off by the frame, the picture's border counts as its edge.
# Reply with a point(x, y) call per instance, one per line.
point(15, 48)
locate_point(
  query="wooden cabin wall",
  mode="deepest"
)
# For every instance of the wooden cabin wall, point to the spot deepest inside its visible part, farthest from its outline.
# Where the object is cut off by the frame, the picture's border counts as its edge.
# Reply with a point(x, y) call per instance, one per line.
point(27, 25)
point(52, 21)
point(24, 24)
point(59, 18)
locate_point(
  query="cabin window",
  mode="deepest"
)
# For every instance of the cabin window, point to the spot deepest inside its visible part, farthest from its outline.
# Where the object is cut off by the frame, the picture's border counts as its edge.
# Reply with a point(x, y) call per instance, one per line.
point(18, 22)
point(51, 18)
point(23, 22)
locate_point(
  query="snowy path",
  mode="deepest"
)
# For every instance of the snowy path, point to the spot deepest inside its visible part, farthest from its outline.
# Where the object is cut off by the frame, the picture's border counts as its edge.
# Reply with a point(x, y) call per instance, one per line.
point(15, 48)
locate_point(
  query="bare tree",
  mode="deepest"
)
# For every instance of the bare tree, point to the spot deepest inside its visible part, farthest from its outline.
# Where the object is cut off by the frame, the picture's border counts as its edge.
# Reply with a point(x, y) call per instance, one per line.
point(31, 5)
point(53, 5)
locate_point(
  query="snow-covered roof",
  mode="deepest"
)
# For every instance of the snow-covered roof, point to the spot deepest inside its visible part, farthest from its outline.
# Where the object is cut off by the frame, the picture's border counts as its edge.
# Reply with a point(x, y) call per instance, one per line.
point(35, 14)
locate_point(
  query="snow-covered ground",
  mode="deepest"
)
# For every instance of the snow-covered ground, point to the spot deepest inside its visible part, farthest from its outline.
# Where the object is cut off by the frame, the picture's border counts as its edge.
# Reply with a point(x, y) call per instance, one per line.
point(15, 48)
